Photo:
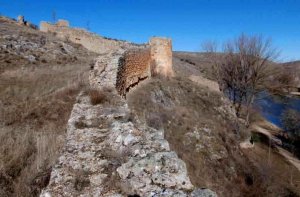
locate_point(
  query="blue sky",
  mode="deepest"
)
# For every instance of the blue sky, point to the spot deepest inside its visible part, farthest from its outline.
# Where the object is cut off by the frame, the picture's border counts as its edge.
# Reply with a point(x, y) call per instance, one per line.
point(187, 22)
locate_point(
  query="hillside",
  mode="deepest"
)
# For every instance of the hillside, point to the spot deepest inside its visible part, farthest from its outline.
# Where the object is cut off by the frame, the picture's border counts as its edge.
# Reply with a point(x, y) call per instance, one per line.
point(293, 67)
point(201, 128)
point(79, 123)
point(40, 77)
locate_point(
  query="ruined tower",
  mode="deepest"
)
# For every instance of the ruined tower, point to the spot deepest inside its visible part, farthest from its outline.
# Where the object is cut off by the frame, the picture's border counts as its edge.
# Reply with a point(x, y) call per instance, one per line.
point(161, 56)
point(62, 23)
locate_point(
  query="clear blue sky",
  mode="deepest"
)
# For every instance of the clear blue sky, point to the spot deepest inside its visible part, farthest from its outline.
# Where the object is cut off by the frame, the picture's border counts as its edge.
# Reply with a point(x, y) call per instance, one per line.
point(187, 22)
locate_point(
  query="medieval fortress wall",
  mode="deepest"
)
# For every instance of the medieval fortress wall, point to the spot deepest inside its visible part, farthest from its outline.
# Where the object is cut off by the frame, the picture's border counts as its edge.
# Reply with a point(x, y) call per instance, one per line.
point(161, 55)
point(139, 64)
point(87, 39)
point(135, 63)
point(134, 66)
point(106, 153)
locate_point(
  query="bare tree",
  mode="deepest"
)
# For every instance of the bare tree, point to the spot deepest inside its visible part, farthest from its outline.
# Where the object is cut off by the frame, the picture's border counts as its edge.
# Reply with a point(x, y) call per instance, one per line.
point(209, 46)
point(244, 68)
point(283, 81)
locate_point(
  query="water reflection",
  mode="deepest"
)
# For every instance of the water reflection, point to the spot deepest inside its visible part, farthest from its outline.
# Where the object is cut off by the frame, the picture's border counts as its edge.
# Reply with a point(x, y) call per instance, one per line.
point(272, 107)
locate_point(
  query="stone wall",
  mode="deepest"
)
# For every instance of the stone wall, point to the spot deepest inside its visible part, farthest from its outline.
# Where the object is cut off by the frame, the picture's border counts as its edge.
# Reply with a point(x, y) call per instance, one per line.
point(134, 66)
point(131, 63)
point(137, 65)
point(108, 154)
point(62, 23)
point(91, 41)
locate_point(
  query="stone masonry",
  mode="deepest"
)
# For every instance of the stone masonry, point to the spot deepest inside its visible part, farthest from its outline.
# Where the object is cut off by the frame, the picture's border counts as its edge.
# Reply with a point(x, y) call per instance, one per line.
point(62, 23)
point(91, 41)
point(161, 56)
point(137, 65)
point(108, 151)
point(134, 66)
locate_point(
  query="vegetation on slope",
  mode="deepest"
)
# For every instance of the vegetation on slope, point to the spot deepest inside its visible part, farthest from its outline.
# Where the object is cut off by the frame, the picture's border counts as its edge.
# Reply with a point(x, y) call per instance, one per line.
point(40, 79)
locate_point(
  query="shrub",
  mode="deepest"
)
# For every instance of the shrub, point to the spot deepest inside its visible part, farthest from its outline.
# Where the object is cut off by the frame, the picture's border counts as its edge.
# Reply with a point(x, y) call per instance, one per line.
point(97, 96)
point(291, 122)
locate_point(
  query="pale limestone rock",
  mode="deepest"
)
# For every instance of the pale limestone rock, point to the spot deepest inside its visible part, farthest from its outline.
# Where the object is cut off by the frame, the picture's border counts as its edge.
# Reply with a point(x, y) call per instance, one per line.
point(203, 193)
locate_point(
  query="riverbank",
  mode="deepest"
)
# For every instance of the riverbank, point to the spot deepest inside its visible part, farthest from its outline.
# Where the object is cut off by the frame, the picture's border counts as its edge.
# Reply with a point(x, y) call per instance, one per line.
point(271, 131)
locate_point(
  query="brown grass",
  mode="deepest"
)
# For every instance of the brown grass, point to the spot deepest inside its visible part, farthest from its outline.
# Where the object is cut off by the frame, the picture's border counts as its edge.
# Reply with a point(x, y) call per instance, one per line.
point(97, 96)
point(35, 107)
point(181, 107)
point(36, 99)
point(31, 138)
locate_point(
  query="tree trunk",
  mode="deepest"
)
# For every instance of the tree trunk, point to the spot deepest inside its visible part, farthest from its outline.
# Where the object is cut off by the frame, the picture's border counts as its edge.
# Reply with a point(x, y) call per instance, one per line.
point(248, 110)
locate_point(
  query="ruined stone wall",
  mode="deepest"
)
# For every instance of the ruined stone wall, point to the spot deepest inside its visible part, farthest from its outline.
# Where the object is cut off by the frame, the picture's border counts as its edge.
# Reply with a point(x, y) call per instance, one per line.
point(108, 154)
point(91, 41)
point(63, 23)
point(134, 66)
point(137, 63)
point(161, 56)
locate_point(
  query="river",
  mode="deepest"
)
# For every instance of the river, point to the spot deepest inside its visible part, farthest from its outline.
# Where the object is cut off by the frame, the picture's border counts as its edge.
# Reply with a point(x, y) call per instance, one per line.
point(271, 107)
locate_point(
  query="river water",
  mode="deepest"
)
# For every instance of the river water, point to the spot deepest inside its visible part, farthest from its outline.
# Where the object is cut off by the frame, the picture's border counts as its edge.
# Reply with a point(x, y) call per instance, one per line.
point(272, 107)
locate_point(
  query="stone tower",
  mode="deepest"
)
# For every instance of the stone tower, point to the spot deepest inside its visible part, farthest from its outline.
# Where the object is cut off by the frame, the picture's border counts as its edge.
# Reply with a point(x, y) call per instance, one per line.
point(21, 20)
point(62, 23)
point(161, 56)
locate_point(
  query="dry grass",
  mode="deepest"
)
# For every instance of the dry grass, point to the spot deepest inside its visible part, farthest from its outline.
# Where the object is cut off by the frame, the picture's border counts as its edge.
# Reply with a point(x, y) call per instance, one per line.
point(278, 175)
point(181, 107)
point(31, 138)
point(97, 96)
point(35, 103)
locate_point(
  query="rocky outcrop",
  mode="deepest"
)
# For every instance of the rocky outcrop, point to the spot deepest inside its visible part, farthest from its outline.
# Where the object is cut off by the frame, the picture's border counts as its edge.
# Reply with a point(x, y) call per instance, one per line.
point(109, 153)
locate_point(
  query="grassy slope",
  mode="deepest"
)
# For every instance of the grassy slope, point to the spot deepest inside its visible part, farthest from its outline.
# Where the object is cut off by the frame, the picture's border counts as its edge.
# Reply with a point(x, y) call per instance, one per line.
point(204, 135)
point(36, 98)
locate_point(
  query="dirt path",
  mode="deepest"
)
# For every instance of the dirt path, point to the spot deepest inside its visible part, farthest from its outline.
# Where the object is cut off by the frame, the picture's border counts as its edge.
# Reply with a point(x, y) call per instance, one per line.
point(289, 157)
point(286, 154)
point(212, 85)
